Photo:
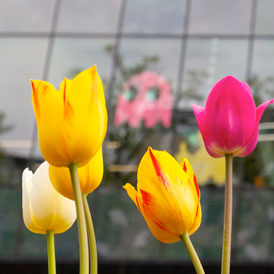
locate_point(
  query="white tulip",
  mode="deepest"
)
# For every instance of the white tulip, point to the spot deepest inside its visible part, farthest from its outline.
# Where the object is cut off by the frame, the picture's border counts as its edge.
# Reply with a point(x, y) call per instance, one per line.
point(44, 209)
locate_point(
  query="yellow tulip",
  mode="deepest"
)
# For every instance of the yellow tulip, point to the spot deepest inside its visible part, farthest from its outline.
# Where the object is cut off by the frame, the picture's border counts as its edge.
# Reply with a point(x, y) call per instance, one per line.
point(72, 121)
point(90, 176)
point(167, 196)
point(44, 209)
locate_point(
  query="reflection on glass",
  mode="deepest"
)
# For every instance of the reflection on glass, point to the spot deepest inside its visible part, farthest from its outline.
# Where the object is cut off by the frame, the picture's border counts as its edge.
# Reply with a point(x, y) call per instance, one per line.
point(144, 72)
point(16, 70)
point(264, 17)
point(27, 15)
point(89, 16)
point(207, 61)
point(134, 51)
point(220, 17)
point(156, 16)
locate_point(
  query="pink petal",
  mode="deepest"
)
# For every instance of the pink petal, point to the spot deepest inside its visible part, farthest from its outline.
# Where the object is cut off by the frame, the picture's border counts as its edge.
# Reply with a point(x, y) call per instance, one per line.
point(252, 142)
point(199, 113)
point(230, 117)
point(261, 108)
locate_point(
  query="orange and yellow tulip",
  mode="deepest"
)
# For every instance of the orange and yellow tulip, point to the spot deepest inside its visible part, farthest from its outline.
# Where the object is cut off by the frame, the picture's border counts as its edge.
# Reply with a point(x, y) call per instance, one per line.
point(167, 196)
point(90, 176)
point(72, 121)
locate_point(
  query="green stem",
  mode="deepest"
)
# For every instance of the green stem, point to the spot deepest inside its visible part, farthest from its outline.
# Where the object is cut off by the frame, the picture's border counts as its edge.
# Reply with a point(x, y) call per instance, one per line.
point(51, 252)
point(82, 229)
point(192, 254)
point(92, 239)
point(227, 215)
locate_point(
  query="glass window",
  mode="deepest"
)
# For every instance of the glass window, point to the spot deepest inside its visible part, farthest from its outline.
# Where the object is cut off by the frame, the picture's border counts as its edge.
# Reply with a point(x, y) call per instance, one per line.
point(27, 15)
point(263, 58)
point(141, 109)
point(220, 17)
point(264, 17)
point(17, 67)
point(71, 56)
point(162, 51)
point(207, 61)
point(154, 16)
point(263, 68)
point(89, 16)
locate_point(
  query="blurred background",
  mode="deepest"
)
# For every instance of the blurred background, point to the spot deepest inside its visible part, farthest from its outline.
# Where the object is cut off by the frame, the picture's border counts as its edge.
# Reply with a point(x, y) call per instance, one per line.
point(156, 58)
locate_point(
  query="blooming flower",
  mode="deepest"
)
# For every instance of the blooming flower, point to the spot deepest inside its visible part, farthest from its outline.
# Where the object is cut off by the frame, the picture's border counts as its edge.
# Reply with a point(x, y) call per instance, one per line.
point(90, 176)
point(44, 208)
point(72, 121)
point(167, 196)
point(229, 123)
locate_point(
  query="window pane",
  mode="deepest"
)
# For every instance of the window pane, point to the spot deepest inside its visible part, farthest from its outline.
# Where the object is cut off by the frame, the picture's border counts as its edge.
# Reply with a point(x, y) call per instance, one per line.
point(27, 15)
point(16, 70)
point(71, 56)
point(89, 16)
point(154, 16)
point(265, 18)
point(263, 68)
point(133, 51)
point(220, 17)
point(208, 61)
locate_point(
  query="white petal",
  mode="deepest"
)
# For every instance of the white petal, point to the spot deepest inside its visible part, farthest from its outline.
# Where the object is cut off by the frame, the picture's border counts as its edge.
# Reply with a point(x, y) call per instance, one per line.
point(52, 210)
point(27, 212)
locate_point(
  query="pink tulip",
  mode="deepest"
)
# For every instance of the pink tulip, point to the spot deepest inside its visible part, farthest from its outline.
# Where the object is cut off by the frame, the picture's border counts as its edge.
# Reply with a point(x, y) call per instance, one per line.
point(229, 122)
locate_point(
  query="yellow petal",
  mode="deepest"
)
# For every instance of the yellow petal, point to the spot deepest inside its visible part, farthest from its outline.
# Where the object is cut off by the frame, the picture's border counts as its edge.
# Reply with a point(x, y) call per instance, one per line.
point(168, 196)
point(197, 221)
point(87, 124)
point(158, 229)
point(72, 122)
point(90, 176)
point(191, 176)
point(49, 109)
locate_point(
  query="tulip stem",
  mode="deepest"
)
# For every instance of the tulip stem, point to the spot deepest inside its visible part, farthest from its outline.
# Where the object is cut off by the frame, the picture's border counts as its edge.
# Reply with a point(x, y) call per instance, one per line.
point(91, 235)
point(227, 215)
point(192, 254)
point(51, 252)
point(82, 229)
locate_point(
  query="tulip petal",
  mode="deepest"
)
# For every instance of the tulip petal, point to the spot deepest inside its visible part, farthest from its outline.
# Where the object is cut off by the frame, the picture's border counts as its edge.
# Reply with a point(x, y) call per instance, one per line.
point(157, 229)
point(252, 141)
point(90, 176)
point(86, 90)
point(167, 196)
point(29, 221)
point(72, 122)
point(191, 176)
point(197, 221)
point(51, 210)
point(92, 173)
point(261, 108)
point(85, 109)
point(228, 108)
point(61, 180)
point(153, 175)
point(49, 121)
point(199, 113)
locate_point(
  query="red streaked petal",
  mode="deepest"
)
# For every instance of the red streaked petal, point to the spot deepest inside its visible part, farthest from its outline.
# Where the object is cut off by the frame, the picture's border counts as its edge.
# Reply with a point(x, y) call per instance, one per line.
point(184, 167)
point(196, 185)
point(146, 197)
point(157, 167)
